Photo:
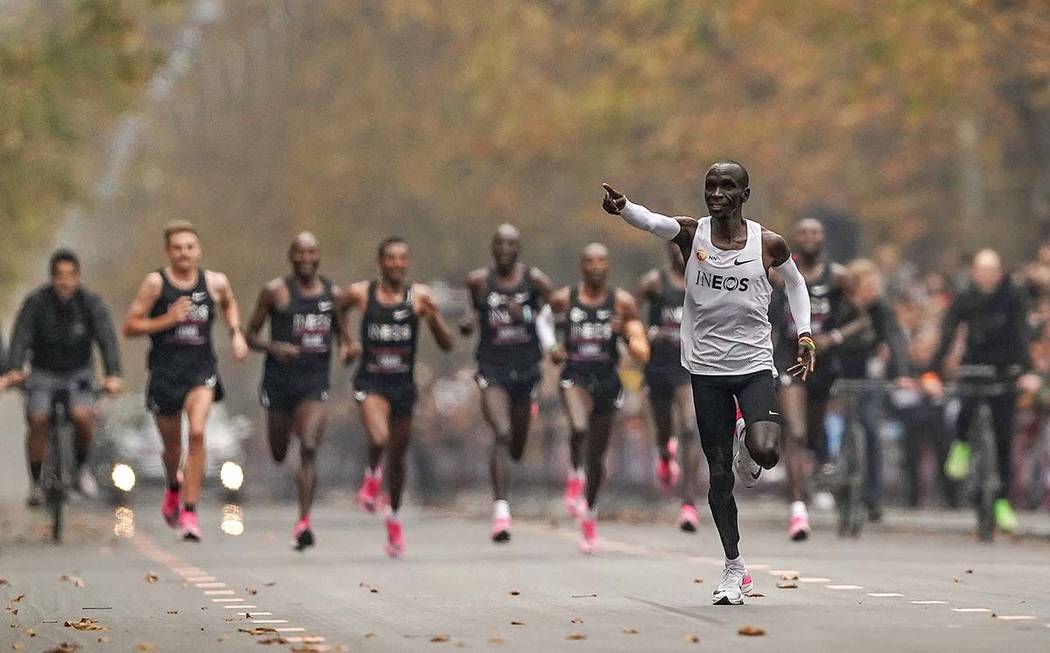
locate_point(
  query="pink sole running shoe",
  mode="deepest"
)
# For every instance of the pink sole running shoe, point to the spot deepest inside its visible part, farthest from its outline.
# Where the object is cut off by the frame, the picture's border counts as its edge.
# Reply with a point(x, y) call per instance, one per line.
point(798, 527)
point(169, 507)
point(688, 519)
point(588, 536)
point(395, 540)
point(501, 530)
point(189, 528)
point(668, 473)
point(573, 498)
point(370, 496)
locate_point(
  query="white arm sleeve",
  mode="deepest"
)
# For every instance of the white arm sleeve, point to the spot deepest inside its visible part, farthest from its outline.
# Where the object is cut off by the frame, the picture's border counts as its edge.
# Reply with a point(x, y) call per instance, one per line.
point(545, 328)
point(638, 216)
point(797, 294)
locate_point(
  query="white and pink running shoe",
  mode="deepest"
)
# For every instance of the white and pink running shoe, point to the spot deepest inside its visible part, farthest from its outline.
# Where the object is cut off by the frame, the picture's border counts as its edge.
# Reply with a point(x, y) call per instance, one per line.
point(588, 535)
point(501, 529)
point(370, 496)
point(573, 498)
point(189, 528)
point(668, 471)
point(395, 540)
point(798, 525)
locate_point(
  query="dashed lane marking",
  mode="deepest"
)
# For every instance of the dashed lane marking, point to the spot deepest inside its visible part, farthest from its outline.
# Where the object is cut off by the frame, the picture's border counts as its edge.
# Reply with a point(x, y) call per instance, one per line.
point(971, 610)
point(928, 602)
point(885, 595)
point(844, 587)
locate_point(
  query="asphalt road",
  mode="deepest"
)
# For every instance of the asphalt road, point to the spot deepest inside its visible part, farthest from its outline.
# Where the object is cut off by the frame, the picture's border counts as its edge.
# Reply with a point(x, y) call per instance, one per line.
point(647, 590)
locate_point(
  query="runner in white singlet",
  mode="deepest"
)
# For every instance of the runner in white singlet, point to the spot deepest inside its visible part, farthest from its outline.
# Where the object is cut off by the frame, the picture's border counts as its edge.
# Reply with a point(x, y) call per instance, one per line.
point(726, 344)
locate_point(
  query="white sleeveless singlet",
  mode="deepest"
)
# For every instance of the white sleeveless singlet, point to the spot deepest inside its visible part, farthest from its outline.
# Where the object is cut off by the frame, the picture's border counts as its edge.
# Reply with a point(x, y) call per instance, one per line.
point(725, 325)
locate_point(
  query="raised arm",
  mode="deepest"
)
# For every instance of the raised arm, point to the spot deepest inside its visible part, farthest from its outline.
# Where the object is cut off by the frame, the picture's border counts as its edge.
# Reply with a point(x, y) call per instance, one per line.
point(427, 309)
point(231, 313)
point(775, 254)
point(680, 230)
point(138, 323)
point(633, 329)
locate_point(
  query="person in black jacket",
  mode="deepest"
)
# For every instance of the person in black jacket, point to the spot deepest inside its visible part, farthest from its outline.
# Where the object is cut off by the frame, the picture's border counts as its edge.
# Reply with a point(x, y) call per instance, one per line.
point(55, 333)
point(869, 310)
point(997, 337)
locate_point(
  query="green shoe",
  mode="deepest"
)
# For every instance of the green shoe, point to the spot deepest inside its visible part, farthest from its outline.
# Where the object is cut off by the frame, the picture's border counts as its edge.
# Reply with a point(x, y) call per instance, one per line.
point(957, 466)
point(1005, 517)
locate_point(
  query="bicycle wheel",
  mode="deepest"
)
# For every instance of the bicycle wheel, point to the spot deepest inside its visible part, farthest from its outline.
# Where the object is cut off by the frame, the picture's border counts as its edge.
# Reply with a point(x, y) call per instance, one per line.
point(986, 485)
point(53, 482)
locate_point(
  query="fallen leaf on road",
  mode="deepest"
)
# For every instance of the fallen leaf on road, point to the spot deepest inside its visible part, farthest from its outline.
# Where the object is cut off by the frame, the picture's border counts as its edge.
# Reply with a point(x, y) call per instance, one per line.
point(151, 577)
point(276, 639)
point(270, 584)
point(13, 611)
point(76, 581)
point(439, 638)
point(575, 636)
point(630, 631)
point(515, 593)
point(64, 647)
point(751, 631)
point(576, 620)
point(698, 580)
point(370, 635)
point(257, 630)
point(17, 598)
point(145, 647)
point(85, 624)
point(584, 596)
point(251, 590)
point(789, 575)
point(517, 623)
point(3, 581)
point(756, 595)
point(32, 632)
point(496, 640)
point(369, 588)
point(221, 639)
point(969, 571)
point(692, 639)
point(787, 584)
point(103, 640)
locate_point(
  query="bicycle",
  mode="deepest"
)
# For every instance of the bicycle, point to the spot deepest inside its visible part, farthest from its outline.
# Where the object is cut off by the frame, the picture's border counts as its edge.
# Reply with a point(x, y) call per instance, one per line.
point(979, 383)
point(851, 471)
point(55, 474)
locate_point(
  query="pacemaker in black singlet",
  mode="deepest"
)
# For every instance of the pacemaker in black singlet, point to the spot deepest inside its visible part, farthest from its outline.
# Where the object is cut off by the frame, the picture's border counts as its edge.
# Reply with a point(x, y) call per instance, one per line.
point(591, 347)
point(182, 358)
point(825, 300)
point(508, 351)
point(664, 372)
point(306, 322)
point(388, 357)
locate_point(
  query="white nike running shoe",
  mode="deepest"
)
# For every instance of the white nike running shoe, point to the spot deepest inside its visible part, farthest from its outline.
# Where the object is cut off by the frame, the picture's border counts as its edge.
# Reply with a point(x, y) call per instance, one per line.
point(731, 590)
point(747, 470)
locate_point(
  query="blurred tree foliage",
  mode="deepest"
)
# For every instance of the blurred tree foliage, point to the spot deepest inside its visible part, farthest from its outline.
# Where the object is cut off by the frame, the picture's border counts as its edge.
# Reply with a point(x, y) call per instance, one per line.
point(927, 119)
point(66, 71)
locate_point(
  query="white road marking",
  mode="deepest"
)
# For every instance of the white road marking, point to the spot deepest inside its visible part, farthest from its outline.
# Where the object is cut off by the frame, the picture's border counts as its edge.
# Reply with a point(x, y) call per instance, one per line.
point(238, 607)
point(806, 579)
point(970, 610)
point(269, 621)
point(231, 600)
point(254, 614)
point(307, 639)
point(928, 602)
point(201, 579)
point(290, 630)
point(210, 585)
point(844, 587)
point(882, 595)
point(1015, 617)
point(218, 592)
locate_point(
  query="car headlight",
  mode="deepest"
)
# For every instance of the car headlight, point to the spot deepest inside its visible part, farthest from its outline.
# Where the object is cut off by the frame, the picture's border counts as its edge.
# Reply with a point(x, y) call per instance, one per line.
point(231, 475)
point(123, 477)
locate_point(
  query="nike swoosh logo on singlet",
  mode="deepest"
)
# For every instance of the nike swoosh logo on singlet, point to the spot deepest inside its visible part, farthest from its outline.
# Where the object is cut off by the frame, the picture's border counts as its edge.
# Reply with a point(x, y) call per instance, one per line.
point(737, 261)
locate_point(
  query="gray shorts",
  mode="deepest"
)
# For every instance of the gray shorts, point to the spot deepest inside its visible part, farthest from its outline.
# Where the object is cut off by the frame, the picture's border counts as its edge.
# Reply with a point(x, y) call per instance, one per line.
point(41, 386)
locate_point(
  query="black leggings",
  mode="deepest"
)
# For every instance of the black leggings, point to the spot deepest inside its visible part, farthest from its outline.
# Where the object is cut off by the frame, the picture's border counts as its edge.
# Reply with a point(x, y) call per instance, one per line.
point(1003, 408)
point(716, 420)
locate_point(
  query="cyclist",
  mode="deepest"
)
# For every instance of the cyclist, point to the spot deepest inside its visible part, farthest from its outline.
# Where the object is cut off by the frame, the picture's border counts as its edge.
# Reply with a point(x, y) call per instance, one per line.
point(996, 336)
point(55, 333)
